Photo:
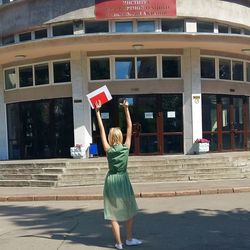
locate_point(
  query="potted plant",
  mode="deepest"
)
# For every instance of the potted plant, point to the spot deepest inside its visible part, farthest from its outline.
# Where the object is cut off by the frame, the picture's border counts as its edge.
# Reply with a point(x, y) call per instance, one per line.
point(78, 152)
point(201, 146)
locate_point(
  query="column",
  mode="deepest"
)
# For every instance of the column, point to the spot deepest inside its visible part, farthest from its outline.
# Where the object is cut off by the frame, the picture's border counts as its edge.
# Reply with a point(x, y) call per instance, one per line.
point(81, 108)
point(192, 108)
point(3, 124)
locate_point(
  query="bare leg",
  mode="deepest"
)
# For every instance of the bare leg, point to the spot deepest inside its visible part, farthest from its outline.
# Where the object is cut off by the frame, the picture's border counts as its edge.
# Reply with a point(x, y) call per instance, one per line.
point(129, 224)
point(116, 231)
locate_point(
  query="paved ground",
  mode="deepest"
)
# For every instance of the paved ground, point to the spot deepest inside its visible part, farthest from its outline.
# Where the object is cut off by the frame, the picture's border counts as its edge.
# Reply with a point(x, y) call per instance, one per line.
point(205, 222)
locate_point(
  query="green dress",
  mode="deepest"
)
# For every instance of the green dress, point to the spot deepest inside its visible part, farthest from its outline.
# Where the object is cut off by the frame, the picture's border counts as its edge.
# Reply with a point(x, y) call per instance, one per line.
point(118, 194)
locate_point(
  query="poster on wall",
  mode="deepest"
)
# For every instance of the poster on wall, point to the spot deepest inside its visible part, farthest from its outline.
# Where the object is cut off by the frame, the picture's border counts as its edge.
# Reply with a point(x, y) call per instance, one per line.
point(117, 9)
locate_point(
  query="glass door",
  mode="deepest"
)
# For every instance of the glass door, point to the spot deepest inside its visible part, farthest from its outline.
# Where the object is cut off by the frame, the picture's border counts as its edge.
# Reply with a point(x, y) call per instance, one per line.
point(225, 122)
point(157, 123)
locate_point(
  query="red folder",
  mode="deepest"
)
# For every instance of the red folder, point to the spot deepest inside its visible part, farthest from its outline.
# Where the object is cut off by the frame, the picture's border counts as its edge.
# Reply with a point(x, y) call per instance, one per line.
point(101, 94)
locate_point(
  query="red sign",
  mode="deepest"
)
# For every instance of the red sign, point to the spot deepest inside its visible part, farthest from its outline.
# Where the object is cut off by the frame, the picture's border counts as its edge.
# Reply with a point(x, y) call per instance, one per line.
point(116, 9)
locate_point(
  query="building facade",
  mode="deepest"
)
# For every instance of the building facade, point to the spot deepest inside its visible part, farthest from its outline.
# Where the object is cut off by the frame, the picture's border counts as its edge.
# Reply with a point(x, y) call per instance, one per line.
point(184, 67)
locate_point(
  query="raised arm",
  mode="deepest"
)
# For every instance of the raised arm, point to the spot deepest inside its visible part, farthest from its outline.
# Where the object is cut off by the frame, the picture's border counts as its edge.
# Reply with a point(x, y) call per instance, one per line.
point(129, 123)
point(101, 127)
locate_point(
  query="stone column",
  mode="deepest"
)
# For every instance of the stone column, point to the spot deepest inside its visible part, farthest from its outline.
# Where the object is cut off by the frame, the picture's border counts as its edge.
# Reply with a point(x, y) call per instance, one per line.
point(81, 108)
point(192, 108)
point(3, 124)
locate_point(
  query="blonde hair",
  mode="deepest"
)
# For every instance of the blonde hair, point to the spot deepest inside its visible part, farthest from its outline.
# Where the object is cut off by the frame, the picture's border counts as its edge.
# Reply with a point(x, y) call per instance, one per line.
point(115, 136)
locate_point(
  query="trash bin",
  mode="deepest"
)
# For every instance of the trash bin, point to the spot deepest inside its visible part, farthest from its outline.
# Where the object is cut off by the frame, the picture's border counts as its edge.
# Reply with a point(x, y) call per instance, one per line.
point(93, 151)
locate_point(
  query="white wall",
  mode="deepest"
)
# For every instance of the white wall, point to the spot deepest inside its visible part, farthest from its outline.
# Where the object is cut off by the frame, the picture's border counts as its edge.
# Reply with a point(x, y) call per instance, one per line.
point(81, 109)
point(225, 11)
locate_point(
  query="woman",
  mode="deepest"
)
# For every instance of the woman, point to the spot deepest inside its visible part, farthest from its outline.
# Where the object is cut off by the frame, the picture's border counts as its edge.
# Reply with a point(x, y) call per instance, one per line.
point(118, 194)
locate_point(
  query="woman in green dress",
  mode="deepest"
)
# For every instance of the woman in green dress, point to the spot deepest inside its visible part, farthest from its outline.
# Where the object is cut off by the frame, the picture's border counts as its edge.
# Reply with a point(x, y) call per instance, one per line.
point(119, 199)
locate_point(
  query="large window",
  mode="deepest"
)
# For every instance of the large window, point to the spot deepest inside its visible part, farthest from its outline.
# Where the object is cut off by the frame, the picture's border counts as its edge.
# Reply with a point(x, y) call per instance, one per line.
point(41, 74)
point(40, 129)
point(61, 72)
point(172, 25)
point(99, 69)
point(206, 27)
point(146, 67)
point(222, 28)
point(171, 66)
point(39, 34)
point(224, 69)
point(145, 26)
point(235, 30)
point(37, 74)
point(126, 26)
point(125, 68)
point(63, 29)
point(248, 71)
point(25, 37)
point(96, 26)
point(207, 67)
point(8, 40)
point(10, 78)
point(238, 74)
point(26, 76)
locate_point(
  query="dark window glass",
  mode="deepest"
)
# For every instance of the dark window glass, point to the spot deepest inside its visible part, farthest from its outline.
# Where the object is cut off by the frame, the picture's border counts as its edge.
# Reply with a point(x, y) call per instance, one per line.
point(247, 32)
point(61, 72)
point(41, 74)
point(248, 72)
point(222, 29)
point(171, 66)
point(207, 67)
point(124, 26)
point(96, 27)
point(146, 26)
point(25, 76)
point(238, 74)
point(235, 31)
point(172, 25)
point(39, 34)
point(25, 37)
point(225, 69)
point(206, 27)
point(125, 68)
point(63, 29)
point(8, 40)
point(10, 78)
point(99, 69)
point(40, 129)
point(146, 67)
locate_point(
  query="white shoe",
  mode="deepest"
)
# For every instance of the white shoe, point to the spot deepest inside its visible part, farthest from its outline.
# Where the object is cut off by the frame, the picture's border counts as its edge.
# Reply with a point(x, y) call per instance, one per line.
point(133, 242)
point(118, 246)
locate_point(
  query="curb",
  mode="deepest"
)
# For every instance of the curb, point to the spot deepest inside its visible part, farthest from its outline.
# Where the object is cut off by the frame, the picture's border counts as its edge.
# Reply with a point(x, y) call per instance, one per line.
point(23, 198)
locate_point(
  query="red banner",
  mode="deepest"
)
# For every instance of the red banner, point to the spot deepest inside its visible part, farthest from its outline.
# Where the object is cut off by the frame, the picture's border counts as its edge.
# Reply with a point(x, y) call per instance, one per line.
point(117, 9)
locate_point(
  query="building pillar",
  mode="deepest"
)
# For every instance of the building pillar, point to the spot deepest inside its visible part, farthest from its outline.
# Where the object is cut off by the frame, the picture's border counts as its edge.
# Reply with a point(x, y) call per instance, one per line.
point(81, 108)
point(192, 108)
point(3, 124)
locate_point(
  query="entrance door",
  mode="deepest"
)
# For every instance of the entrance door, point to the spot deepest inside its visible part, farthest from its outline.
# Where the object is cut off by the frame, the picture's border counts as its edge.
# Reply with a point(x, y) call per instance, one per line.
point(231, 123)
point(226, 118)
point(157, 123)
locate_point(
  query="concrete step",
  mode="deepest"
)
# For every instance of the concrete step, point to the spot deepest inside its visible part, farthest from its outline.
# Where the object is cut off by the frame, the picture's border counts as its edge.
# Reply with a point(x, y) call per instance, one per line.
point(27, 183)
point(46, 177)
point(217, 176)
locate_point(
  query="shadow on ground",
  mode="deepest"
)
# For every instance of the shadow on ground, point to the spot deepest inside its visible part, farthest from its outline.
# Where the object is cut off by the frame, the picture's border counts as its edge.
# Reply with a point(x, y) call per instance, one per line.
point(191, 230)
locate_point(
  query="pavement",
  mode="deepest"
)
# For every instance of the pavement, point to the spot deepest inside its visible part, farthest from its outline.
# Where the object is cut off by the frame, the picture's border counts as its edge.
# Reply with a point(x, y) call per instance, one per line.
point(142, 190)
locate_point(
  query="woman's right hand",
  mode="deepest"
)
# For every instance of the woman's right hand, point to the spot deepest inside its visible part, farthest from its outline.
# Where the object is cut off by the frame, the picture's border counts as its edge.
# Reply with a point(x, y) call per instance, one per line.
point(98, 105)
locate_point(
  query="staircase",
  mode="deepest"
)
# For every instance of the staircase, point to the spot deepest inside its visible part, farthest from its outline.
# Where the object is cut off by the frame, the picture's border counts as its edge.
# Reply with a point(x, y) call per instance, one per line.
point(72, 172)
